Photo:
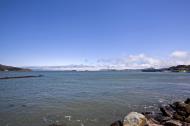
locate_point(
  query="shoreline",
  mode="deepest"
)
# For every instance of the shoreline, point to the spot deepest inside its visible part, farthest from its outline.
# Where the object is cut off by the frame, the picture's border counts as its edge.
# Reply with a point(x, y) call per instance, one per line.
point(176, 114)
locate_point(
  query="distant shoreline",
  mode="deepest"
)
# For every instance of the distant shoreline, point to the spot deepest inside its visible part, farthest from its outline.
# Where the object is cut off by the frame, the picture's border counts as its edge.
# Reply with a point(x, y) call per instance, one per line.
point(178, 68)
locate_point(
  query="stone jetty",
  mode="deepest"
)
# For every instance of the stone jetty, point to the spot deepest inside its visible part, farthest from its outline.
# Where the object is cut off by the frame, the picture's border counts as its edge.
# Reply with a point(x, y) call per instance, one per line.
point(17, 77)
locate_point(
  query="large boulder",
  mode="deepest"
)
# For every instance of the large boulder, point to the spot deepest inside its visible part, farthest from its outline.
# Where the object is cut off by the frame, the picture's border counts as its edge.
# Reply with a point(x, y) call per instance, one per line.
point(135, 119)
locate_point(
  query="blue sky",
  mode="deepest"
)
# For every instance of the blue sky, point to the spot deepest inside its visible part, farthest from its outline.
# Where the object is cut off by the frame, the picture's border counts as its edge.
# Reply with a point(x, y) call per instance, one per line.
point(63, 32)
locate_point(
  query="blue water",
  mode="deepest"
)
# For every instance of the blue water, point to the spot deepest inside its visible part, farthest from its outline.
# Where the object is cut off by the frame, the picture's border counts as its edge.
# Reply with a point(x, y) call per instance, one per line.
point(85, 98)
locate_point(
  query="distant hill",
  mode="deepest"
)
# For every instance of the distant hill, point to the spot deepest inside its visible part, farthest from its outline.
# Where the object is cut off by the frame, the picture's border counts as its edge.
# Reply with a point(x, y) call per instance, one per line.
point(152, 70)
point(10, 68)
point(179, 68)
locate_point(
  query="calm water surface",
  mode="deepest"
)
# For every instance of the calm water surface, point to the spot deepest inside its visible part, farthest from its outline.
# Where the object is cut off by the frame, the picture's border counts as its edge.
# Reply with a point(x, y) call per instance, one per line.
point(85, 98)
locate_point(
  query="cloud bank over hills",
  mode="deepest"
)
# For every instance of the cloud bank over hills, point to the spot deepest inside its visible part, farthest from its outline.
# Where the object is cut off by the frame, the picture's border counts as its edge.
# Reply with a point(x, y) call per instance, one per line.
point(139, 61)
point(144, 61)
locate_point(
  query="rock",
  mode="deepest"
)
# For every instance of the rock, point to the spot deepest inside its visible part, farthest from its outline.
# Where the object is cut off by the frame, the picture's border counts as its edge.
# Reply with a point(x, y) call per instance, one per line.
point(185, 124)
point(172, 123)
point(154, 125)
point(187, 101)
point(182, 113)
point(162, 119)
point(152, 122)
point(117, 123)
point(187, 108)
point(176, 114)
point(135, 119)
point(167, 111)
point(187, 119)
point(180, 106)
point(178, 117)
point(149, 114)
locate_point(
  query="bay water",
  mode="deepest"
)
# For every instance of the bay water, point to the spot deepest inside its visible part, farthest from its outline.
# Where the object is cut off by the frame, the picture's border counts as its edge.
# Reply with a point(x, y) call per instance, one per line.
point(85, 98)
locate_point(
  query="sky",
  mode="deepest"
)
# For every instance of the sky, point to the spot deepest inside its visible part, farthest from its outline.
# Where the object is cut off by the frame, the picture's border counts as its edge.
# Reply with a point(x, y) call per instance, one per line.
point(114, 33)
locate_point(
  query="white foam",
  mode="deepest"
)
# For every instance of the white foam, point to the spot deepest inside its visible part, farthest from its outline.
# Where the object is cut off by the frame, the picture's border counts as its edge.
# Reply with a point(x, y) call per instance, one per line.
point(45, 119)
point(82, 124)
point(68, 117)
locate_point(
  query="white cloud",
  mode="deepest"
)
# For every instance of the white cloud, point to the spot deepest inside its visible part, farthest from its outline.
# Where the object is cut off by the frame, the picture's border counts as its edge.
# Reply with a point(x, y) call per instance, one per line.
point(144, 61)
point(180, 57)
point(131, 62)
point(138, 61)
point(179, 54)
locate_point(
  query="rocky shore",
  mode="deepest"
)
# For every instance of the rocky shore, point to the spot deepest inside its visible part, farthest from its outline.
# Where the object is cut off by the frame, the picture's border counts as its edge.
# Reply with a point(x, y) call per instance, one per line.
point(176, 114)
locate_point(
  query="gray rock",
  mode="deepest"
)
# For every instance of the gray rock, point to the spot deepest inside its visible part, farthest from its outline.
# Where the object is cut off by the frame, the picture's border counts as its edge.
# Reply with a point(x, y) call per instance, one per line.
point(162, 119)
point(167, 111)
point(153, 122)
point(172, 123)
